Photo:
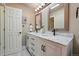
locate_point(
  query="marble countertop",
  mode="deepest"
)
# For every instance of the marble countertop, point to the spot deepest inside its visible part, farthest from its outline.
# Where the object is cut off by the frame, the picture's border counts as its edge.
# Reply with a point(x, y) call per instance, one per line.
point(64, 39)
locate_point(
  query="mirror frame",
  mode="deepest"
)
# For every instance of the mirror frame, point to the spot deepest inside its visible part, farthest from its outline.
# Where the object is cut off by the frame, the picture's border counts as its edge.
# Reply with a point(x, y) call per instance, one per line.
point(66, 18)
point(40, 19)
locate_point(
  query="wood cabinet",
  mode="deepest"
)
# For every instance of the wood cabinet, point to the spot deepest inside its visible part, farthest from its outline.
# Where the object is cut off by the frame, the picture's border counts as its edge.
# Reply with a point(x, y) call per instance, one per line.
point(42, 47)
point(52, 49)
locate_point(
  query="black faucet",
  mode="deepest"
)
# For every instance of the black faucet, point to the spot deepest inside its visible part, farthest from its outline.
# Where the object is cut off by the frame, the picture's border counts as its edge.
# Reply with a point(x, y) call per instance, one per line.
point(53, 32)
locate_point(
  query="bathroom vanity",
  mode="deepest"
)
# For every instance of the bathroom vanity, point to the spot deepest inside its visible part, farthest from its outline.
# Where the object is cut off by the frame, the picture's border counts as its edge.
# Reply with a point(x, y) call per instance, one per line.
point(45, 44)
point(54, 16)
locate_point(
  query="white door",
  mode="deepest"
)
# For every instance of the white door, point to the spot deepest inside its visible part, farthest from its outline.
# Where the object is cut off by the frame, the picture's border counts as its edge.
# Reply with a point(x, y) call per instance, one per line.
point(1, 30)
point(13, 29)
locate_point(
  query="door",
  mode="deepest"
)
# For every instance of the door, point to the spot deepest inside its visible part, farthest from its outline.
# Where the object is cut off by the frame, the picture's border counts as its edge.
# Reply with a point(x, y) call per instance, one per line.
point(13, 29)
point(1, 30)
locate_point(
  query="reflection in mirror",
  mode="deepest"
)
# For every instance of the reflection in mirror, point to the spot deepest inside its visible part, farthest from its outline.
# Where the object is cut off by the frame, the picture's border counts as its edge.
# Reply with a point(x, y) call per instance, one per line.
point(38, 22)
point(58, 17)
point(51, 23)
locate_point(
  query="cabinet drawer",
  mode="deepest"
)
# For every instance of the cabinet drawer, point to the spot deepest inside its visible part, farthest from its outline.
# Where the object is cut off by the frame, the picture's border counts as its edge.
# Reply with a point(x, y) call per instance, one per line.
point(32, 39)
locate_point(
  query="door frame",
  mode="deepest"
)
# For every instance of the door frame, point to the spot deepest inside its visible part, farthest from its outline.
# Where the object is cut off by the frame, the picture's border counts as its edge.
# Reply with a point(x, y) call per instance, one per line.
point(2, 30)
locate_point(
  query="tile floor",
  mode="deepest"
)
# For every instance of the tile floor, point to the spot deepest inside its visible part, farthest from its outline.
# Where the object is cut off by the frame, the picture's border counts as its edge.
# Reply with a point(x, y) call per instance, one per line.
point(24, 52)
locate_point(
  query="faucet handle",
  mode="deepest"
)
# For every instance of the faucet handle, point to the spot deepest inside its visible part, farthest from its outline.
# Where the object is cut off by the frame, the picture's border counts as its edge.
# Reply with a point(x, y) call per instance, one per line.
point(53, 32)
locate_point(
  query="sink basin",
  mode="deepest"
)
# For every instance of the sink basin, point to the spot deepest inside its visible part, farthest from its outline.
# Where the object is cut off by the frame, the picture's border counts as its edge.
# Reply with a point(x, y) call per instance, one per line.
point(57, 34)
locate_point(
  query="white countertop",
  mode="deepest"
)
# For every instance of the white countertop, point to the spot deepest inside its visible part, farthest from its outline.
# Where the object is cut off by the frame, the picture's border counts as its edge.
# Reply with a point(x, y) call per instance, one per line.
point(64, 39)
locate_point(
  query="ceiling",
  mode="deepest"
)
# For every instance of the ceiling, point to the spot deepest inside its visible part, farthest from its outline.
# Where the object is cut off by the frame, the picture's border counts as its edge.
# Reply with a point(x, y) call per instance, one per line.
point(33, 5)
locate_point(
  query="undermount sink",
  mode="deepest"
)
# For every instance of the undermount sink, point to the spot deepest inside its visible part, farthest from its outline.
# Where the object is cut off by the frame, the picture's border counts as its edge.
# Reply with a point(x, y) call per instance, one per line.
point(57, 34)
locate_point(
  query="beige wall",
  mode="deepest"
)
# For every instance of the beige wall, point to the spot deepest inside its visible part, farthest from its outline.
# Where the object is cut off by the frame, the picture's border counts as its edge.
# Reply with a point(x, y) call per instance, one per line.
point(74, 26)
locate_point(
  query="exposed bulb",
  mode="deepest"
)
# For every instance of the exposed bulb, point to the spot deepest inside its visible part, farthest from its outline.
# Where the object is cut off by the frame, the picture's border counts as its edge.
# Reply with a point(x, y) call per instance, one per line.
point(35, 9)
point(42, 4)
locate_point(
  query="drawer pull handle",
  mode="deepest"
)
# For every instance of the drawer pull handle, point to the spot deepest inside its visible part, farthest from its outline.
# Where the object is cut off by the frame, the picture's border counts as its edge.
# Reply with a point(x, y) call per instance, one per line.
point(33, 44)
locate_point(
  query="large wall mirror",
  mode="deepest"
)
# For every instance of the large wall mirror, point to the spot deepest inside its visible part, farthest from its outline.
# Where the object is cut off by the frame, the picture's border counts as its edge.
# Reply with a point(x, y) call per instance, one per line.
point(38, 20)
point(58, 17)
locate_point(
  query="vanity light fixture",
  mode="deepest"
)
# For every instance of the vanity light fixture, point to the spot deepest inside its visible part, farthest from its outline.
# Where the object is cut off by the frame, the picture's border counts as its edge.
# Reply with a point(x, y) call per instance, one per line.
point(55, 6)
point(39, 12)
point(43, 4)
point(40, 6)
point(35, 9)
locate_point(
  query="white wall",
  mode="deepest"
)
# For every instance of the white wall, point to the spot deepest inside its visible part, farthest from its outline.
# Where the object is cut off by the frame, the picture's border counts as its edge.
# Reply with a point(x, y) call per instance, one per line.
point(74, 26)
point(45, 18)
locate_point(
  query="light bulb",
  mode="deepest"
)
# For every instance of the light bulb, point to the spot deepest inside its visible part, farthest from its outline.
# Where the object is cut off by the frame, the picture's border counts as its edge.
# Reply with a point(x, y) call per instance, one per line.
point(35, 9)
point(42, 4)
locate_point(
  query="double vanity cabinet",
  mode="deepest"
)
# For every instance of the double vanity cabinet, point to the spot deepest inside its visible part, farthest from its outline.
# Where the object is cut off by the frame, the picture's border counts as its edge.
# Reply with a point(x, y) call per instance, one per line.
point(47, 45)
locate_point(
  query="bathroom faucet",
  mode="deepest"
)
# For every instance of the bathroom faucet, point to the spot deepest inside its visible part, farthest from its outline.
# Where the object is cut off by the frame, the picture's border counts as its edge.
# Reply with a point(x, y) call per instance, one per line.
point(53, 32)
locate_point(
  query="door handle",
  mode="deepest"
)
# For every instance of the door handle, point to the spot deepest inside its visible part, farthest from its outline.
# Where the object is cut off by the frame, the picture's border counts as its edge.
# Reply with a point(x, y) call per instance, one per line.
point(19, 32)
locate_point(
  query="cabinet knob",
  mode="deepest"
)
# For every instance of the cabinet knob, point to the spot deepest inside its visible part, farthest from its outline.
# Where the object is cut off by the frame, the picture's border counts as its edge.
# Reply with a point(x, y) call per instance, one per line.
point(19, 32)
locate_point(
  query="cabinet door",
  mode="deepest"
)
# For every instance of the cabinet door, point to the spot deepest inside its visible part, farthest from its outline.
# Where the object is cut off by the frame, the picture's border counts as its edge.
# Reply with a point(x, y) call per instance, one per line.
point(38, 50)
point(29, 44)
point(52, 50)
